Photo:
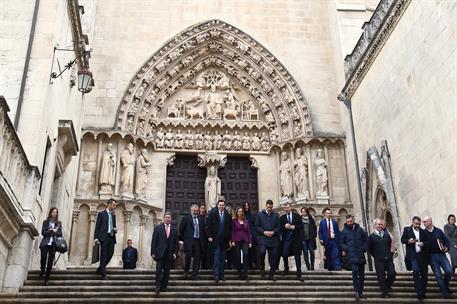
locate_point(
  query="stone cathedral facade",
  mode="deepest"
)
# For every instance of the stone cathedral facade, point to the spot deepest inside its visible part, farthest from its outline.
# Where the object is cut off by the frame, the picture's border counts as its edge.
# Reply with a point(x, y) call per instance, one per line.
point(193, 100)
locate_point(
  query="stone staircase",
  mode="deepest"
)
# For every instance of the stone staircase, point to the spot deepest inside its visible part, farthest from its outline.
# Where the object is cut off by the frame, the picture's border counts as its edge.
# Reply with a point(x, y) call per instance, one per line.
point(82, 285)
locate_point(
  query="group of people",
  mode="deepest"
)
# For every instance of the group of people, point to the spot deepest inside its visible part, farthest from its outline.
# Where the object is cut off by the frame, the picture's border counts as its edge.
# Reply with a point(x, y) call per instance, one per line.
point(207, 237)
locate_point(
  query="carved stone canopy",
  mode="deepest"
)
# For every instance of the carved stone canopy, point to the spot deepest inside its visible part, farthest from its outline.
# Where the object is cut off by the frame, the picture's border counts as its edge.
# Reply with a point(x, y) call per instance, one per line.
point(214, 74)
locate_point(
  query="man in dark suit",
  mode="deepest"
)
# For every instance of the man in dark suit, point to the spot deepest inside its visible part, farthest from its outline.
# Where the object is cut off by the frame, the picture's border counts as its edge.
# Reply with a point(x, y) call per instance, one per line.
point(380, 247)
point(417, 254)
point(268, 229)
point(219, 234)
point(192, 233)
point(329, 235)
point(129, 256)
point(105, 235)
point(164, 249)
point(292, 235)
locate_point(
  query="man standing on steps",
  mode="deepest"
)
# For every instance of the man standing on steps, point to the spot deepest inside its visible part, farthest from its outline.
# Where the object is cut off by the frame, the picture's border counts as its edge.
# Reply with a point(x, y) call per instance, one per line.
point(192, 233)
point(329, 236)
point(268, 229)
point(164, 249)
point(292, 235)
point(353, 246)
point(439, 245)
point(105, 235)
point(129, 256)
point(379, 246)
point(417, 254)
point(219, 234)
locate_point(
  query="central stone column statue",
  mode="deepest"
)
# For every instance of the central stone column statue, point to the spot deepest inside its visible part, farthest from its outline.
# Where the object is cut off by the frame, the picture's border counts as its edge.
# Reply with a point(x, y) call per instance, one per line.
point(212, 161)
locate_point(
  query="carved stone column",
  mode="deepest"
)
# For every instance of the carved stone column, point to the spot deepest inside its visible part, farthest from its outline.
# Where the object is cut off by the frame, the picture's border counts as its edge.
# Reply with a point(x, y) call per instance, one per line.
point(311, 173)
point(74, 232)
point(90, 241)
point(98, 164)
point(143, 221)
point(127, 217)
point(292, 162)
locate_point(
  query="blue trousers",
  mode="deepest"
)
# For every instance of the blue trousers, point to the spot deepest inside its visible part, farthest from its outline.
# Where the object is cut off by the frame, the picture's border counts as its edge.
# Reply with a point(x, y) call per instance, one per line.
point(358, 277)
point(286, 248)
point(438, 261)
point(219, 257)
point(420, 274)
point(332, 255)
point(272, 254)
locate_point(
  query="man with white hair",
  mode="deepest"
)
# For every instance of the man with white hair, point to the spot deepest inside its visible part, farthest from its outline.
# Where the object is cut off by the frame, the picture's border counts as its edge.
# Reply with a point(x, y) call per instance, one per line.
point(379, 246)
point(439, 245)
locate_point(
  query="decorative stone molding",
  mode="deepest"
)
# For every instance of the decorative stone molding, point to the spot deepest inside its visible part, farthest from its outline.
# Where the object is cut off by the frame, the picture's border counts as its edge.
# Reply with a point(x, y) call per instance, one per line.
point(212, 158)
point(375, 34)
point(79, 39)
point(213, 73)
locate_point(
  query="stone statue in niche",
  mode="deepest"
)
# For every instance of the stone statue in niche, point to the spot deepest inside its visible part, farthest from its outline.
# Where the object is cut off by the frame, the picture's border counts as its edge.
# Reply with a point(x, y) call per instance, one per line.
point(274, 134)
point(213, 104)
point(321, 174)
point(285, 173)
point(255, 142)
point(246, 142)
point(189, 140)
point(108, 170)
point(160, 138)
point(130, 121)
point(212, 187)
point(127, 164)
point(227, 141)
point(237, 141)
point(169, 139)
point(179, 140)
point(217, 143)
point(142, 167)
point(265, 142)
point(208, 141)
point(199, 141)
point(301, 174)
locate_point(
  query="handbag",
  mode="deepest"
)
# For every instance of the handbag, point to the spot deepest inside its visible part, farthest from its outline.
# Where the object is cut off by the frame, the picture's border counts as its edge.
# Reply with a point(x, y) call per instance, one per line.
point(61, 245)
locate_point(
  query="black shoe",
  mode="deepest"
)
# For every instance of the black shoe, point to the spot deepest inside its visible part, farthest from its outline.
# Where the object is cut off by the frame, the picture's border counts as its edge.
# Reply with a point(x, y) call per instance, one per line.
point(186, 275)
point(361, 296)
point(222, 278)
point(41, 275)
point(449, 291)
point(194, 278)
point(272, 277)
point(300, 278)
point(421, 296)
point(98, 271)
point(163, 289)
point(216, 279)
point(357, 295)
point(385, 295)
point(157, 291)
point(285, 272)
point(262, 274)
point(391, 289)
point(105, 278)
point(445, 296)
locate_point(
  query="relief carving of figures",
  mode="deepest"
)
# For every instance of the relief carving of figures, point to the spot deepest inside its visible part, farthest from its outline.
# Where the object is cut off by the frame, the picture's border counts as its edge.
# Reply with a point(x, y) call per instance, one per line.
point(236, 141)
point(127, 163)
point(108, 170)
point(160, 138)
point(255, 142)
point(321, 174)
point(282, 116)
point(231, 102)
point(208, 142)
point(169, 139)
point(285, 173)
point(142, 166)
point(175, 110)
point(301, 174)
point(246, 142)
point(265, 142)
point(212, 187)
point(199, 141)
point(213, 104)
point(179, 140)
point(139, 94)
point(227, 141)
point(189, 140)
point(274, 135)
point(217, 143)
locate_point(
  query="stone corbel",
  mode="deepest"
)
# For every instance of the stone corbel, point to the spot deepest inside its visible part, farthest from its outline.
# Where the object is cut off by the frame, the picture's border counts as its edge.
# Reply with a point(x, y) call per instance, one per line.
point(67, 146)
point(254, 164)
point(212, 158)
point(171, 161)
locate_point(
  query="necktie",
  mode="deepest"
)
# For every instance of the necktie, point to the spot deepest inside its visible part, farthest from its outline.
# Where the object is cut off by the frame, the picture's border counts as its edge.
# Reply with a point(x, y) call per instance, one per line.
point(110, 224)
point(329, 230)
point(167, 230)
point(289, 218)
point(196, 228)
point(221, 216)
point(381, 234)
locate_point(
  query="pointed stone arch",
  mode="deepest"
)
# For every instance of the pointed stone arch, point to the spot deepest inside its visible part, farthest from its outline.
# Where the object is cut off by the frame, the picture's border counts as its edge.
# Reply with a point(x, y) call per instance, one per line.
point(208, 54)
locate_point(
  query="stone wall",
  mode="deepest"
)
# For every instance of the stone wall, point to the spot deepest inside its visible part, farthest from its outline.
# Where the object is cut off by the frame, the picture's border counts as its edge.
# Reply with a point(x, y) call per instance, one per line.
point(408, 98)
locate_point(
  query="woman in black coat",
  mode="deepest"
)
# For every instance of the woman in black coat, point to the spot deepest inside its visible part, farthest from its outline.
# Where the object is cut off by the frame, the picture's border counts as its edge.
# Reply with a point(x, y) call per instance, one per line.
point(309, 238)
point(51, 229)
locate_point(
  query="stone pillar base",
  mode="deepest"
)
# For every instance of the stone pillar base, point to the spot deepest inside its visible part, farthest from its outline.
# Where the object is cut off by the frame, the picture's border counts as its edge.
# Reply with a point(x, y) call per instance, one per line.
point(322, 200)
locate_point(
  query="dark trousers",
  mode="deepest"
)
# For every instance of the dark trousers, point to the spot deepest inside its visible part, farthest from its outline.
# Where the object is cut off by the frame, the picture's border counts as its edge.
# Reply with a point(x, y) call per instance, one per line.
point(219, 256)
point(253, 260)
point(47, 258)
point(308, 254)
point(385, 273)
point(242, 257)
point(286, 249)
point(195, 253)
point(438, 261)
point(272, 254)
point(420, 274)
point(358, 277)
point(332, 255)
point(163, 267)
point(106, 253)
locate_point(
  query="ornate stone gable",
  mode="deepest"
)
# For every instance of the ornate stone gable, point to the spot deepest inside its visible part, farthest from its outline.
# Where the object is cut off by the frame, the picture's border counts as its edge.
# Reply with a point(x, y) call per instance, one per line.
point(214, 78)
